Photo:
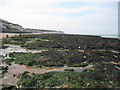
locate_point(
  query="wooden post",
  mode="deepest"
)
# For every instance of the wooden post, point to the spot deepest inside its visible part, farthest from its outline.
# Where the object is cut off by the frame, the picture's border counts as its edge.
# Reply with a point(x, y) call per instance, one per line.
point(7, 36)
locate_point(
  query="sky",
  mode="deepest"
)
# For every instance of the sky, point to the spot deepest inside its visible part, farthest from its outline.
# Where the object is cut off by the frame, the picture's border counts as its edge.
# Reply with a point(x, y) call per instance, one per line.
point(71, 16)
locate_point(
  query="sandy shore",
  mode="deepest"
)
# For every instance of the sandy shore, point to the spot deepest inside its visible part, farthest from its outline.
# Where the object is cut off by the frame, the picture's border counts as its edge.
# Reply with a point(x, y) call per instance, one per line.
point(3, 35)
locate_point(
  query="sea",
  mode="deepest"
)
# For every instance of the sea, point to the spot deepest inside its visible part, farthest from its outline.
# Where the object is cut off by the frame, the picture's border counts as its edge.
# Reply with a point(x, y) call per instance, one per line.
point(102, 35)
point(110, 35)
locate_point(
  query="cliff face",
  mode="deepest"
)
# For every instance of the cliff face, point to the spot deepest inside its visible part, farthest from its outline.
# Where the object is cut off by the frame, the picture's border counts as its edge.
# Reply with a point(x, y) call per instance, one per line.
point(7, 27)
point(43, 31)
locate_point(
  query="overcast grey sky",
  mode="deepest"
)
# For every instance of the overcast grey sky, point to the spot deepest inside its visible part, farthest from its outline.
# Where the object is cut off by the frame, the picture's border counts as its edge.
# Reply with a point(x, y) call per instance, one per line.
point(70, 16)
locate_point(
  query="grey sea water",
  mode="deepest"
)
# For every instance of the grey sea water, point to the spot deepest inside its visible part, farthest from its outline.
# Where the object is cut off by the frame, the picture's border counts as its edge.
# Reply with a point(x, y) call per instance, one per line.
point(110, 35)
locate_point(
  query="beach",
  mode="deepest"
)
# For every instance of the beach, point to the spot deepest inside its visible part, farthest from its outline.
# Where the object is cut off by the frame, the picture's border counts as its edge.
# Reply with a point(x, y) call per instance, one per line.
point(4, 35)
